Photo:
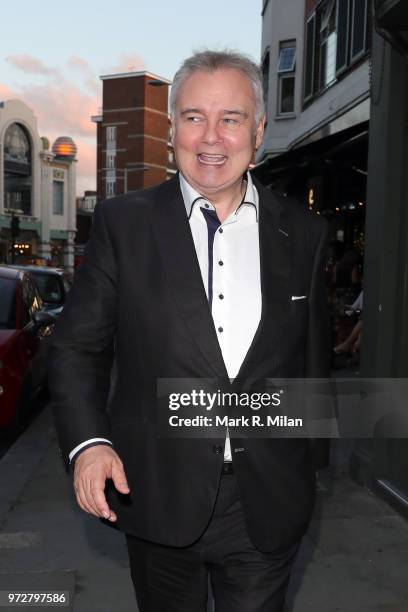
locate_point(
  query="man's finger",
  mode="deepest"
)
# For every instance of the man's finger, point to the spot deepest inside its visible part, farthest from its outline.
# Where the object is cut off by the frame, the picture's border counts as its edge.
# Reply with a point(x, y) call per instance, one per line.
point(82, 500)
point(97, 492)
point(119, 478)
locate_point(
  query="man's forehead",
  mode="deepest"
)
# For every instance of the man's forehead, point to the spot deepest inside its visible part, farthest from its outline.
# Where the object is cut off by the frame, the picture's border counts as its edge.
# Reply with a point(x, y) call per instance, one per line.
point(231, 94)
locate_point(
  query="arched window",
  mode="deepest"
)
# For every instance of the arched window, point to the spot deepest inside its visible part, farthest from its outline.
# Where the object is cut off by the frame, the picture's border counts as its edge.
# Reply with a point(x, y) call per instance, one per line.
point(17, 169)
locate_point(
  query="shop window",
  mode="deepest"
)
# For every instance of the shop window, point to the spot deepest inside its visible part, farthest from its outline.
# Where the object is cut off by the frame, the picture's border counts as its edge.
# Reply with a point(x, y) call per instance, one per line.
point(286, 78)
point(58, 197)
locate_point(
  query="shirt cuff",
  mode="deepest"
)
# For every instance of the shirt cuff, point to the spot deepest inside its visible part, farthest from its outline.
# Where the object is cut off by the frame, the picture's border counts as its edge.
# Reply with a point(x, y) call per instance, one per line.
point(83, 445)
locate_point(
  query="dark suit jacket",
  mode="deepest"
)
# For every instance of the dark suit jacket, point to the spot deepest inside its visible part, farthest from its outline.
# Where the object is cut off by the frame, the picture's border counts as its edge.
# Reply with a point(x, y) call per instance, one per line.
point(138, 300)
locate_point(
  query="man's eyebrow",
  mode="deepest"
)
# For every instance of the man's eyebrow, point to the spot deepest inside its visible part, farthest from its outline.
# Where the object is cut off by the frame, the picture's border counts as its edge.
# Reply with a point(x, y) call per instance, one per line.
point(235, 111)
point(186, 111)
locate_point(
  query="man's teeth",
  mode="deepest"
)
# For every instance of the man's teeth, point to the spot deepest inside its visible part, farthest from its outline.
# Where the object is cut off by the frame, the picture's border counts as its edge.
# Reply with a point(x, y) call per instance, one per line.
point(211, 159)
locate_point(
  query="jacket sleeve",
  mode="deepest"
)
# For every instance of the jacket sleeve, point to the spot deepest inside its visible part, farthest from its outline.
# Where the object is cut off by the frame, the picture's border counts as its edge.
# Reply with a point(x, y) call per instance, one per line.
point(80, 351)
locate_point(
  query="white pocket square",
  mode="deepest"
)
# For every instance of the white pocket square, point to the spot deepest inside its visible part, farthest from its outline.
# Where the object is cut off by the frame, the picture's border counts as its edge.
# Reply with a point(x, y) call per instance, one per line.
point(298, 297)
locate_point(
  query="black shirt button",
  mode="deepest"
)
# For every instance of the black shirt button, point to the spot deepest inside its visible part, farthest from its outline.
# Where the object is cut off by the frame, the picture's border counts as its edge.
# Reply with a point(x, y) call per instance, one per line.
point(220, 263)
point(220, 329)
point(207, 205)
point(217, 449)
point(221, 296)
point(221, 230)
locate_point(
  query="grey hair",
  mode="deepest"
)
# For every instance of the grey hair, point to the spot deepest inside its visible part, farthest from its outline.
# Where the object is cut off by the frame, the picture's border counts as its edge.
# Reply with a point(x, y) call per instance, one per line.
point(210, 61)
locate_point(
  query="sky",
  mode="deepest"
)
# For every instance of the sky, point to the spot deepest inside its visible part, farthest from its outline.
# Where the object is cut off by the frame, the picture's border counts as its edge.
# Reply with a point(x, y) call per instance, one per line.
point(52, 54)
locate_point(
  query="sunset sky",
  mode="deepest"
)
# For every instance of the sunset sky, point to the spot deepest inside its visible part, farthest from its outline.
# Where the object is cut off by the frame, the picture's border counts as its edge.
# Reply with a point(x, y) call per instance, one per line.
point(52, 54)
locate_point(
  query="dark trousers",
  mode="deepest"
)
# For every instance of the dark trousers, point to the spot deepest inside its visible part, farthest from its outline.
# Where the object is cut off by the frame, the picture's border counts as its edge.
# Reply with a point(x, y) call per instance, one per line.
point(243, 579)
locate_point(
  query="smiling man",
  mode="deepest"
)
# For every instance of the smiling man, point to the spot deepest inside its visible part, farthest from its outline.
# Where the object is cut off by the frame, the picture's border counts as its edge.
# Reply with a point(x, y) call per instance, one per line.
point(199, 277)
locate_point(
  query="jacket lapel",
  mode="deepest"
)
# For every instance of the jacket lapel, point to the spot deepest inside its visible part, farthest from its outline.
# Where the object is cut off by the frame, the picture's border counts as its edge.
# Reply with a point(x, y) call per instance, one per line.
point(175, 243)
point(275, 245)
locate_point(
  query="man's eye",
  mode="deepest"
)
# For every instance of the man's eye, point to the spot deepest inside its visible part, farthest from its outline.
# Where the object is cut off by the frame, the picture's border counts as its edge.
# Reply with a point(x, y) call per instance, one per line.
point(230, 121)
point(193, 118)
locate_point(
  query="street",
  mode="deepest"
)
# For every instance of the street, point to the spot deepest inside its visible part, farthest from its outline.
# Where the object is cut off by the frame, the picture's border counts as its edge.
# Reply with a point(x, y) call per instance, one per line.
point(353, 558)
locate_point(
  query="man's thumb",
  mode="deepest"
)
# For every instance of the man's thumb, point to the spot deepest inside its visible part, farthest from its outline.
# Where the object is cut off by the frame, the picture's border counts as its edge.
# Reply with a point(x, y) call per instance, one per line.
point(119, 479)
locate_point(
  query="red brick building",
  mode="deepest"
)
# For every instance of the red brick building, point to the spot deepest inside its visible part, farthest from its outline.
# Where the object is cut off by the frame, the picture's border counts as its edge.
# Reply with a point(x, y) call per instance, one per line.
point(133, 150)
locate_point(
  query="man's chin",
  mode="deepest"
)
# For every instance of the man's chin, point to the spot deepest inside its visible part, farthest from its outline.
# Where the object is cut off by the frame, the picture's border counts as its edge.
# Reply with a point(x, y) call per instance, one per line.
point(212, 183)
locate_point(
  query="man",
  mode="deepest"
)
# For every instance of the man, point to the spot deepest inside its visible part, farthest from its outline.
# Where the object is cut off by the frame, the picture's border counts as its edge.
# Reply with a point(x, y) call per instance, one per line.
point(194, 279)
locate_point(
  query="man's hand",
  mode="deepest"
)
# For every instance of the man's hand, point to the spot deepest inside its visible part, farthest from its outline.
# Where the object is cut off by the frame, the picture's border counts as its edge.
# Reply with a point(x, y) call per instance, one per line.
point(92, 468)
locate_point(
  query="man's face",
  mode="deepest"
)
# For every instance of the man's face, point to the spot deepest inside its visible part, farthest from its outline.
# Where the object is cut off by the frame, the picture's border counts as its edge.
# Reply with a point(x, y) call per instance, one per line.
point(214, 130)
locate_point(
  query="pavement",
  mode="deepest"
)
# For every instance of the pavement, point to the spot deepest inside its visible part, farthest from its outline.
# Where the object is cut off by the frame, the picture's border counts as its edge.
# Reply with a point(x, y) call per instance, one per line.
point(353, 558)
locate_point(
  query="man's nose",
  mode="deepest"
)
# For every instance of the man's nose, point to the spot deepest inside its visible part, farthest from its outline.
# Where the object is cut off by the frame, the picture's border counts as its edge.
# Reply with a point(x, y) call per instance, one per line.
point(211, 135)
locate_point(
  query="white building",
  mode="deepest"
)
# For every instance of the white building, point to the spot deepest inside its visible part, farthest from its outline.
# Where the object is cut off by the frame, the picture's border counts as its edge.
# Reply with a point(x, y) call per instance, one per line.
point(37, 186)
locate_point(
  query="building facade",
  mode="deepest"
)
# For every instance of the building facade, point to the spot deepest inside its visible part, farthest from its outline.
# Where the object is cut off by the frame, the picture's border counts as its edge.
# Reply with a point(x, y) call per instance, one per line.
point(349, 79)
point(37, 190)
point(133, 150)
point(316, 67)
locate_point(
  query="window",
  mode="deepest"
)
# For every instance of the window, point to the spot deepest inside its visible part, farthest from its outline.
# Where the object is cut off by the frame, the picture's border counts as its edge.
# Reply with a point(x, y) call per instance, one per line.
point(328, 44)
point(286, 95)
point(58, 197)
point(111, 132)
point(335, 37)
point(359, 29)
point(310, 57)
point(342, 34)
point(287, 59)
point(265, 80)
point(286, 78)
point(110, 160)
point(110, 188)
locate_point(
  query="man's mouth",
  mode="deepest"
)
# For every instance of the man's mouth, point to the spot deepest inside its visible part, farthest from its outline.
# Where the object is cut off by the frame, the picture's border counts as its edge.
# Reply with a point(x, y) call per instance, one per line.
point(211, 160)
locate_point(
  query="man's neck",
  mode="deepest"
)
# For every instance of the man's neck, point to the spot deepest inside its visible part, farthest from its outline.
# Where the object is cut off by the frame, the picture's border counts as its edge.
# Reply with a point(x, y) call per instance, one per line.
point(227, 202)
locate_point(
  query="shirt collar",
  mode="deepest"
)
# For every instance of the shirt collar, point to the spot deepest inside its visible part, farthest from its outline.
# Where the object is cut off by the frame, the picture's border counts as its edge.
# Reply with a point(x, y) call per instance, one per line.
point(191, 196)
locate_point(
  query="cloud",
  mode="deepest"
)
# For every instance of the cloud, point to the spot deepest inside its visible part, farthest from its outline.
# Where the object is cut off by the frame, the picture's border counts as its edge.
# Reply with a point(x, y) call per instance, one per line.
point(5, 92)
point(80, 65)
point(31, 65)
point(127, 63)
point(63, 104)
point(63, 107)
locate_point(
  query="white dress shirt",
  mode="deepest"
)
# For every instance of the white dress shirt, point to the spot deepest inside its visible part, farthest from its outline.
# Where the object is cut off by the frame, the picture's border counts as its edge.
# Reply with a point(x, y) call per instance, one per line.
point(232, 283)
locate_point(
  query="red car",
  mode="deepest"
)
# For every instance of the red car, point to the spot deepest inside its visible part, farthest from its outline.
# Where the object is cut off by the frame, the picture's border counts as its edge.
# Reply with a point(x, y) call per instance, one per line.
point(23, 324)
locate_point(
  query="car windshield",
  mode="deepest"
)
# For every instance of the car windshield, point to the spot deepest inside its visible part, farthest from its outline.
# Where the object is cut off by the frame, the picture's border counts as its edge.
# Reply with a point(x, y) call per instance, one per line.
point(48, 287)
point(7, 303)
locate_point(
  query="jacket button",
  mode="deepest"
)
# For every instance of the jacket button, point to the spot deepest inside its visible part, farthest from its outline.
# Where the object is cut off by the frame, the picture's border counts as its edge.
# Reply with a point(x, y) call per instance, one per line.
point(217, 449)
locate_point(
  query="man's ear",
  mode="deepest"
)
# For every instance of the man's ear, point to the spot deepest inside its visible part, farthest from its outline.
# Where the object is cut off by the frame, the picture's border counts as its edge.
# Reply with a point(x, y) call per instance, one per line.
point(172, 130)
point(260, 132)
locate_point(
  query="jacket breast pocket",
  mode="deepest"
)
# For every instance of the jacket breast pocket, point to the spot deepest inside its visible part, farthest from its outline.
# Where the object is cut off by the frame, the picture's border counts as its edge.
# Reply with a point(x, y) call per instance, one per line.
point(299, 306)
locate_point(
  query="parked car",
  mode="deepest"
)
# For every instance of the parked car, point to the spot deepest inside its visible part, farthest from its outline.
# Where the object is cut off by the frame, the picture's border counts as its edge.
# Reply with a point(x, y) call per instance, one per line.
point(23, 325)
point(53, 285)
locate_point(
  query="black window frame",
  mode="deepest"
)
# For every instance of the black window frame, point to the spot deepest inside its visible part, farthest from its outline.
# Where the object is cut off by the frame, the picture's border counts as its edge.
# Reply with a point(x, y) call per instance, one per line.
point(310, 45)
point(355, 57)
point(340, 68)
point(266, 75)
